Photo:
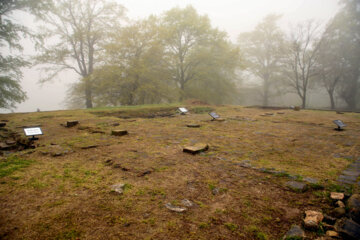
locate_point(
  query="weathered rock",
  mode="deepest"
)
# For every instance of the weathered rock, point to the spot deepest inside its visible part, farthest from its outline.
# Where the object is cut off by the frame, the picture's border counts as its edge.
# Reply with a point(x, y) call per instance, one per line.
point(295, 232)
point(337, 196)
point(338, 212)
point(328, 227)
point(350, 230)
point(215, 191)
point(193, 125)
point(312, 219)
point(118, 188)
point(296, 186)
point(328, 219)
point(2, 124)
point(332, 234)
point(340, 204)
point(89, 146)
point(144, 173)
point(354, 207)
point(197, 148)
point(72, 123)
point(187, 203)
point(175, 208)
point(119, 132)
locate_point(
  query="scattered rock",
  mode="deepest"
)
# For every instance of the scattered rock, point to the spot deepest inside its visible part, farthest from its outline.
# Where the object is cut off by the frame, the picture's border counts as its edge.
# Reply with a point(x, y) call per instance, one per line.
point(310, 180)
point(337, 196)
point(354, 207)
point(122, 168)
point(193, 125)
point(118, 188)
point(332, 234)
point(97, 131)
point(296, 186)
point(340, 204)
point(108, 162)
point(144, 173)
point(328, 219)
point(338, 212)
point(119, 132)
point(174, 208)
point(89, 146)
point(2, 124)
point(350, 230)
point(196, 148)
point(72, 123)
point(187, 203)
point(215, 191)
point(312, 219)
point(295, 232)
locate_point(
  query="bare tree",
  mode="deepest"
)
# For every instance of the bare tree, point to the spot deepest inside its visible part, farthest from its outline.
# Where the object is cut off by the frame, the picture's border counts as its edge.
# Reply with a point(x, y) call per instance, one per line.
point(78, 28)
point(300, 62)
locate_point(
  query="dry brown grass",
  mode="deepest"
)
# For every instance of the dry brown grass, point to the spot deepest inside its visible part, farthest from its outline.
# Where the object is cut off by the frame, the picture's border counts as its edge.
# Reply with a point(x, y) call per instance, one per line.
point(68, 197)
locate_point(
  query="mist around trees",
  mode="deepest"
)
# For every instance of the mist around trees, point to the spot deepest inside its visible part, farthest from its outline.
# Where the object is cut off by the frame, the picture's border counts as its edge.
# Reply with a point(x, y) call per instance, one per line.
point(179, 55)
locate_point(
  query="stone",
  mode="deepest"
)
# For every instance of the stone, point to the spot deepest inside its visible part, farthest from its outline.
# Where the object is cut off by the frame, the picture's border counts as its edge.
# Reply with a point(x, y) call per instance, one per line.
point(89, 146)
point(280, 112)
point(338, 212)
point(72, 123)
point(328, 219)
point(193, 125)
point(215, 191)
point(119, 132)
point(310, 180)
point(332, 234)
point(337, 196)
point(196, 148)
point(297, 108)
point(296, 186)
point(2, 124)
point(354, 207)
point(312, 219)
point(144, 173)
point(340, 204)
point(118, 188)
point(175, 208)
point(295, 232)
point(187, 203)
point(350, 230)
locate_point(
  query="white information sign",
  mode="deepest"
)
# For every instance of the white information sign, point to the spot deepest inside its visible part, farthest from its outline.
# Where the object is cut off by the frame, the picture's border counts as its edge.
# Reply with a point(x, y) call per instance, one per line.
point(33, 131)
point(183, 110)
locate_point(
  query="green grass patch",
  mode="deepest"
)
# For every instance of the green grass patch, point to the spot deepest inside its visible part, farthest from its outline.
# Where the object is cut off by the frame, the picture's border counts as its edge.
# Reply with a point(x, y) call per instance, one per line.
point(12, 164)
point(201, 110)
point(231, 226)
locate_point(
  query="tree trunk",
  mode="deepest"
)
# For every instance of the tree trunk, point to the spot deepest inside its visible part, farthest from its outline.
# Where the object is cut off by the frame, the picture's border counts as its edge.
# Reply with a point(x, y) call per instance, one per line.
point(332, 100)
point(266, 93)
point(303, 101)
point(88, 94)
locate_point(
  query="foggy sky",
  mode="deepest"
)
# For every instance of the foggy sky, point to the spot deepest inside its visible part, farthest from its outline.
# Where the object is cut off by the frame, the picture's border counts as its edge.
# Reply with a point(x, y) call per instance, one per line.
point(232, 16)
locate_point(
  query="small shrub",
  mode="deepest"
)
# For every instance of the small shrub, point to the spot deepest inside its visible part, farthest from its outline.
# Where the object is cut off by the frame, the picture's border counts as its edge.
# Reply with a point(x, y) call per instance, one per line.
point(231, 226)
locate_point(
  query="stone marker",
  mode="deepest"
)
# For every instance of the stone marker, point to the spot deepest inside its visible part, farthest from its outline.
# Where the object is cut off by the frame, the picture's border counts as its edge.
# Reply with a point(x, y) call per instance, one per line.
point(174, 208)
point(197, 148)
point(193, 125)
point(312, 219)
point(119, 132)
point(118, 188)
point(2, 124)
point(337, 196)
point(295, 232)
point(332, 234)
point(72, 123)
point(187, 203)
point(297, 186)
point(350, 230)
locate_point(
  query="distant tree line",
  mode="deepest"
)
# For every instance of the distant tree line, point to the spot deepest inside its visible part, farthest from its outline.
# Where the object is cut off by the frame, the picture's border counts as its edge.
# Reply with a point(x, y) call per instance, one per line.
point(180, 55)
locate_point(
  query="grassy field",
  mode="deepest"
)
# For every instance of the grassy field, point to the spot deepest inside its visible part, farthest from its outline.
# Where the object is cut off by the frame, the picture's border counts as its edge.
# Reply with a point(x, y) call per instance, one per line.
point(62, 188)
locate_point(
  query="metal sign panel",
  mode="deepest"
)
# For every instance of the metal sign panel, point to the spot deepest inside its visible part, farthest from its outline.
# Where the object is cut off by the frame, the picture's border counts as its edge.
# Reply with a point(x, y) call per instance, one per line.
point(339, 123)
point(183, 110)
point(33, 131)
point(214, 115)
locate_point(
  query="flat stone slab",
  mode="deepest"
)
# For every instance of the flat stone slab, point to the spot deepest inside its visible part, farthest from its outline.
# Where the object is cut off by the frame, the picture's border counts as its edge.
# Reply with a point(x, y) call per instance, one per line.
point(72, 123)
point(310, 180)
point(197, 148)
point(296, 186)
point(295, 232)
point(193, 125)
point(175, 208)
point(351, 173)
point(346, 178)
point(119, 132)
point(337, 195)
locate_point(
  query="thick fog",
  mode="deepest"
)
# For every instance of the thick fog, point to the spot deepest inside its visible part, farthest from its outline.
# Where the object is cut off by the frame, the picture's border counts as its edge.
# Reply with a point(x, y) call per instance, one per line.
point(232, 16)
